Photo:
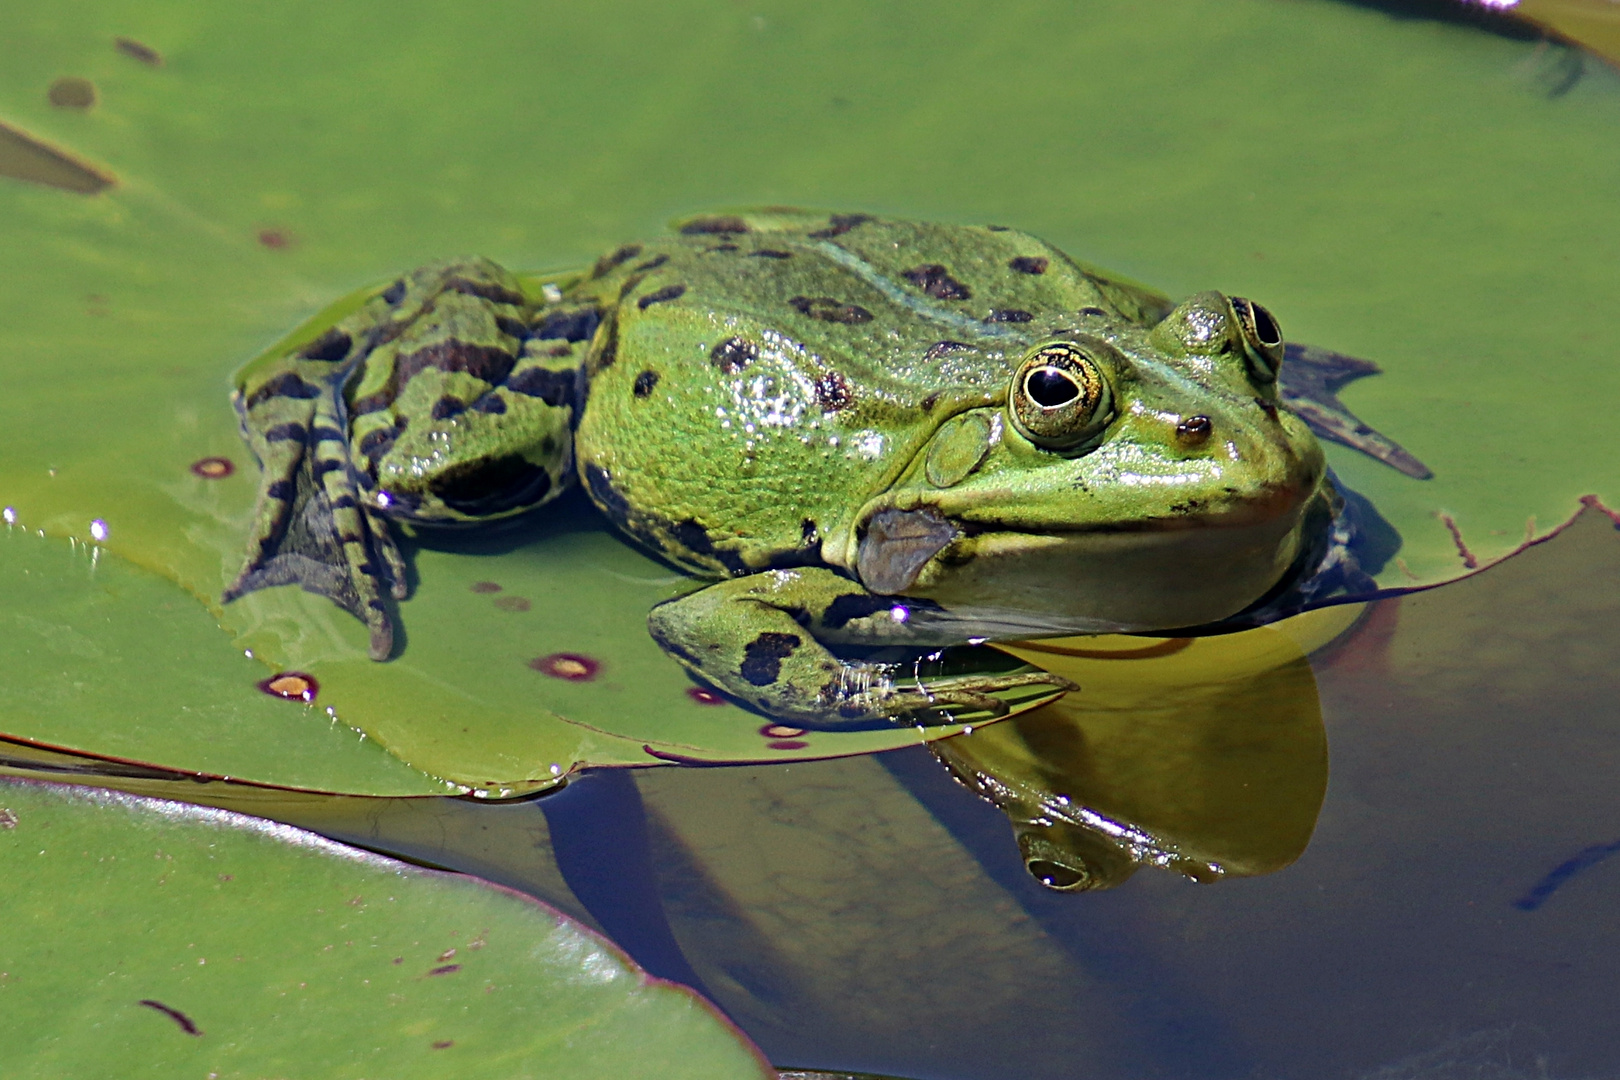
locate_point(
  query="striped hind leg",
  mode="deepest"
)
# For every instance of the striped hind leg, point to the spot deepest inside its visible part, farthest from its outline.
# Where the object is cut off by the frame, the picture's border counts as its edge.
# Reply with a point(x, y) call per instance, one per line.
point(276, 430)
point(370, 556)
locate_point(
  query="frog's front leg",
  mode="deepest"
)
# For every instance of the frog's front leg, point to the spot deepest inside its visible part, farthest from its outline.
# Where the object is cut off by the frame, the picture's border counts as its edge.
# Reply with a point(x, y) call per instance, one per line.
point(760, 638)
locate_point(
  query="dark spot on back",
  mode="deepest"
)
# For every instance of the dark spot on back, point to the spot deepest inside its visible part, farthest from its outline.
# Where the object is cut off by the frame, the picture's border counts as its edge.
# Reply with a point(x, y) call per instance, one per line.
point(287, 385)
point(614, 258)
point(484, 362)
point(998, 228)
point(839, 224)
point(644, 383)
point(762, 657)
point(282, 489)
point(378, 442)
point(512, 327)
point(575, 324)
point(560, 350)
point(668, 292)
point(491, 404)
point(734, 354)
point(653, 263)
point(553, 387)
point(833, 392)
point(629, 285)
point(942, 348)
point(809, 533)
point(373, 402)
point(1092, 311)
point(395, 292)
point(330, 346)
point(1029, 264)
point(1267, 407)
point(936, 281)
point(770, 253)
point(608, 352)
point(725, 223)
point(720, 247)
point(286, 433)
point(927, 404)
point(1008, 315)
point(484, 290)
point(828, 309)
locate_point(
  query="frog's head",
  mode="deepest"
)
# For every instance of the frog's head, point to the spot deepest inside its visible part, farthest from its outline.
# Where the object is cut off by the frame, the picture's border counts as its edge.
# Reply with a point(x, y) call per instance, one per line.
point(1128, 478)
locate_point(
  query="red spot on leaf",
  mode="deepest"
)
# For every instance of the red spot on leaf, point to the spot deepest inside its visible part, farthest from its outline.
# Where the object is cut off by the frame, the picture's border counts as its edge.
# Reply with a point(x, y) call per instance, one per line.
point(781, 731)
point(512, 603)
point(704, 697)
point(274, 239)
point(566, 665)
point(291, 685)
point(787, 744)
point(446, 969)
point(484, 587)
point(213, 468)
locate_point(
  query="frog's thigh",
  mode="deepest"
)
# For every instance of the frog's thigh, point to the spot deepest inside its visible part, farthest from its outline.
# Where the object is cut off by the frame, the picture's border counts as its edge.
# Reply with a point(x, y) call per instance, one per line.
point(745, 636)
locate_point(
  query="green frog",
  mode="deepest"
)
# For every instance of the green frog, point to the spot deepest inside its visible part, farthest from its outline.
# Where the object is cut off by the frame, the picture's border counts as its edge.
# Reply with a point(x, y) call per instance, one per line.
point(863, 431)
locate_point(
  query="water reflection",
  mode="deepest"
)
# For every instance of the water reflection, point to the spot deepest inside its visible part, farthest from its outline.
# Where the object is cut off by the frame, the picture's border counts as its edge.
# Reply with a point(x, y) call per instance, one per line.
point(1204, 756)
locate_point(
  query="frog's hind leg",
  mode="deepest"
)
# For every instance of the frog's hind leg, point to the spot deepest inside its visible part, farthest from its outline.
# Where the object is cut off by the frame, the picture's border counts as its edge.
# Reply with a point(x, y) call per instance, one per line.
point(310, 527)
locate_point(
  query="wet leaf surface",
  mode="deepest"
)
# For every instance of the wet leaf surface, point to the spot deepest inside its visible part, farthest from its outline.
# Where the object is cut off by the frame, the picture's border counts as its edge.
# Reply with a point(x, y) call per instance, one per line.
point(157, 939)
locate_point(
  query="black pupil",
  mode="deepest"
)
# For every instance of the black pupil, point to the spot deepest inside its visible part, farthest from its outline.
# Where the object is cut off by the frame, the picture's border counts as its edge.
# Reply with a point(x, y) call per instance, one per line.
point(1048, 387)
point(1265, 327)
point(1053, 875)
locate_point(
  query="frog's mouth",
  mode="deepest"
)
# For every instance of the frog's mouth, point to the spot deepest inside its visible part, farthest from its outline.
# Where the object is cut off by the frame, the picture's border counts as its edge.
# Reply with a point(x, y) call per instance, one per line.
point(1137, 578)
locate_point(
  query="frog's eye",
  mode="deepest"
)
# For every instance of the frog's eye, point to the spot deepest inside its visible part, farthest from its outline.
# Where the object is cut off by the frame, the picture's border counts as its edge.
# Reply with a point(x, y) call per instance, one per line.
point(1059, 398)
point(1262, 338)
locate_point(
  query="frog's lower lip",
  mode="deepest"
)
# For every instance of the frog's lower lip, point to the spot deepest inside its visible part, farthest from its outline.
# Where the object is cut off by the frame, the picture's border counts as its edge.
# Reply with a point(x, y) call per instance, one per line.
point(1140, 576)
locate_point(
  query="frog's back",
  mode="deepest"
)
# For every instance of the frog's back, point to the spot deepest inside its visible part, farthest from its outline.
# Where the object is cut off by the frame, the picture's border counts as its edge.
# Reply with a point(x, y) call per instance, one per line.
point(759, 376)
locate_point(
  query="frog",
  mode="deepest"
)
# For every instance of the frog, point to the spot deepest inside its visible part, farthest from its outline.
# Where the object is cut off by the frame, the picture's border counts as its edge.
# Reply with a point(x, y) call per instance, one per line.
point(853, 432)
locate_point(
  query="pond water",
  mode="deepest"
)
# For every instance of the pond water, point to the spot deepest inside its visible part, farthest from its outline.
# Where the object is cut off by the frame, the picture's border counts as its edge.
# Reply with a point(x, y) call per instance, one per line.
point(1431, 190)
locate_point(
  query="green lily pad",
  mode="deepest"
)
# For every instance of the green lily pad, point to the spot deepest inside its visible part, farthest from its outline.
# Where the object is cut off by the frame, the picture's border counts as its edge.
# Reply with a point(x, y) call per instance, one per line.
point(86, 672)
point(130, 942)
point(1396, 191)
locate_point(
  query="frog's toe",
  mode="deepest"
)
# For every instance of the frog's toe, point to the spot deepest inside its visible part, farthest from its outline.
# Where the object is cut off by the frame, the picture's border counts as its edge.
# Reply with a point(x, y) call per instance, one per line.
point(382, 635)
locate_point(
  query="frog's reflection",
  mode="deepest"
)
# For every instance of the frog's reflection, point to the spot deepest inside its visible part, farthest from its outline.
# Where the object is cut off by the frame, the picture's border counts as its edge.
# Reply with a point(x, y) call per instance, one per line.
point(1203, 756)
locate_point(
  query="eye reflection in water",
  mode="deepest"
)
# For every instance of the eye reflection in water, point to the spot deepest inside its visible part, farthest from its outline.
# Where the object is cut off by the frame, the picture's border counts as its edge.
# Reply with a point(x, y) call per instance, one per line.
point(1203, 756)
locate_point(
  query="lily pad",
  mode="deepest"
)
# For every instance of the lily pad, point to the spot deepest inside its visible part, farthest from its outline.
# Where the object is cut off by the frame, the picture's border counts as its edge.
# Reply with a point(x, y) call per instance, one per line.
point(1391, 190)
point(86, 672)
point(130, 941)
